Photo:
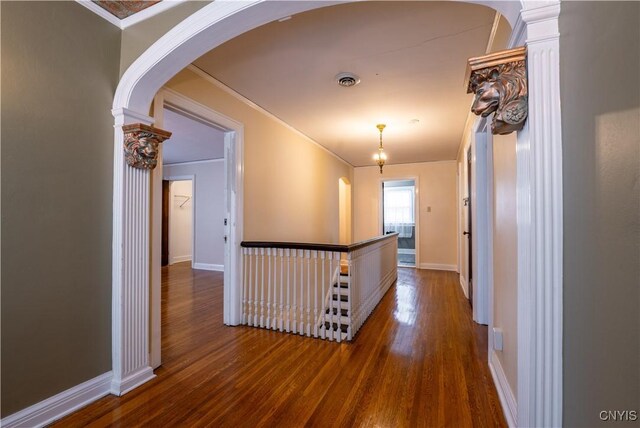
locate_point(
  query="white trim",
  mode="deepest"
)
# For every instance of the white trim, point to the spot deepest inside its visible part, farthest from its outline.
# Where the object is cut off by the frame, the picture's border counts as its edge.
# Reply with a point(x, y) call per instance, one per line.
point(540, 225)
point(481, 218)
point(60, 405)
point(133, 19)
point(505, 393)
point(465, 286)
point(215, 82)
point(194, 162)
point(438, 266)
point(209, 266)
point(132, 381)
point(180, 259)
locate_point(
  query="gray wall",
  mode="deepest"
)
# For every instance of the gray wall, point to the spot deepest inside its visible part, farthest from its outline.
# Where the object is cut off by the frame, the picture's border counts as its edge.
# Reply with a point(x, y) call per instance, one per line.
point(600, 73)
point(60, 66)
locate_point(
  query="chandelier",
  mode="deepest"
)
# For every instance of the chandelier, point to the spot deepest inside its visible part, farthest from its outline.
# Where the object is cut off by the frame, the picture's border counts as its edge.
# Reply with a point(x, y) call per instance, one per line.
point(381, 156)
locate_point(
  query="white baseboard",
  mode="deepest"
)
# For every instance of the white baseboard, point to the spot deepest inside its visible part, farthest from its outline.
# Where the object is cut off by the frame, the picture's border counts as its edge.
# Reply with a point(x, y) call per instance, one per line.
point(438, 266)
point(179, 259)
point(507, 399)
point(465, 287)
point(121, 387)
point(54, 408)
point(209, 266)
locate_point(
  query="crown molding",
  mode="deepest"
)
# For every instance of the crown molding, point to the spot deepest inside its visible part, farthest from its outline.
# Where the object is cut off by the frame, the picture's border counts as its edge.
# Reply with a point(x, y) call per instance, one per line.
point(133, 19)
point(209, 78)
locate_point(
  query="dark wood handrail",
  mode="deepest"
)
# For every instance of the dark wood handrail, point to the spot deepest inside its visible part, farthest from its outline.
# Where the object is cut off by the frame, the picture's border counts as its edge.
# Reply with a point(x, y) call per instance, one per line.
point(317, 247)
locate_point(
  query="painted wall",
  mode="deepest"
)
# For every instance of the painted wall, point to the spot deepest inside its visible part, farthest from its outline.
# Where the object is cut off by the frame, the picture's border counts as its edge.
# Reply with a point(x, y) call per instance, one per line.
point(290, 184)
point(139, 37)
point(59, 73)
point(599, 69)
point(181, 221)
point(437, 190)
point(210, 209)
point(505, 254)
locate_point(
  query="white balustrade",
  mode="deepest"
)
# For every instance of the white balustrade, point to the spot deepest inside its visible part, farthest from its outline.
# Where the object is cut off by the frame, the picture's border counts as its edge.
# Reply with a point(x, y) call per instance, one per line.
point(305, 291)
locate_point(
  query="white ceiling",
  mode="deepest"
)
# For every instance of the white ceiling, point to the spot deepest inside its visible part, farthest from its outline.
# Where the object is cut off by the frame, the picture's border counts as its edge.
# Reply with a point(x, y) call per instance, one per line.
point(411, 57)
point(191, 140)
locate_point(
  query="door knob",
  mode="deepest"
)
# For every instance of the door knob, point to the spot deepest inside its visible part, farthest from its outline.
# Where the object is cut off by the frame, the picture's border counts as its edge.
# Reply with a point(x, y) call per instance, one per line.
point(466, 233)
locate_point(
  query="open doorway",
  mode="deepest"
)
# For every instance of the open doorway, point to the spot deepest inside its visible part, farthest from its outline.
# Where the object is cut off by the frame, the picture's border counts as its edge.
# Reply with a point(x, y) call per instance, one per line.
point(177, 221)
point(399, 215)
point(195, 179)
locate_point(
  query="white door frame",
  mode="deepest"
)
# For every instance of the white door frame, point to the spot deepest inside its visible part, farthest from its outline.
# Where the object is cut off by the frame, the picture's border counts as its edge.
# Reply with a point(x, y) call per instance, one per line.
point(539, 192)
point(481, 220)
point(416, 208)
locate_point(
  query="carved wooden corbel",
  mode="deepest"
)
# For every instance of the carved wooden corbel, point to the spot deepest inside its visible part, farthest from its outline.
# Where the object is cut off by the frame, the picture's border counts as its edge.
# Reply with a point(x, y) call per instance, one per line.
point(141, 144)
point(499, 82)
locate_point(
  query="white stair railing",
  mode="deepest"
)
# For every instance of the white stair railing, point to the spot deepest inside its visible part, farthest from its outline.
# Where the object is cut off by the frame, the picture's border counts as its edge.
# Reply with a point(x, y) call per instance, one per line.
point(300, 288)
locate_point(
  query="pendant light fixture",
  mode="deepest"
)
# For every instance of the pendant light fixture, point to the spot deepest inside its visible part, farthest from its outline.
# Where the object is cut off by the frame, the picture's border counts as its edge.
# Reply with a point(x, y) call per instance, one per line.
point(381, 156)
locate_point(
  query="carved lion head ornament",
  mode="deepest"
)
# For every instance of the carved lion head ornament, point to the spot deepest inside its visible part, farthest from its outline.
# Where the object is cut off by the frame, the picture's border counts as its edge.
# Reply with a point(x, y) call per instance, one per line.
point(141, 145)
point(500, 87)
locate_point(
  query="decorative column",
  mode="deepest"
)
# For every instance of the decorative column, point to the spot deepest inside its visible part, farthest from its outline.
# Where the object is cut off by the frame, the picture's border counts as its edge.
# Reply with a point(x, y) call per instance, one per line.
point(540, 225)
point(136, 151)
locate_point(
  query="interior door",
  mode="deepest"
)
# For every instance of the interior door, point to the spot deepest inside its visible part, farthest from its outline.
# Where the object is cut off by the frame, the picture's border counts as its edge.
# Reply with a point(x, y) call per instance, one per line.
point(165, 223)
point(468, 231)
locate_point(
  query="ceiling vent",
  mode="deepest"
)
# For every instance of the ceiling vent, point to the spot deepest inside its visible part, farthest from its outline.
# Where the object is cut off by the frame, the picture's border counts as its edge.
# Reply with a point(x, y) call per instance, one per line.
point(347, 79)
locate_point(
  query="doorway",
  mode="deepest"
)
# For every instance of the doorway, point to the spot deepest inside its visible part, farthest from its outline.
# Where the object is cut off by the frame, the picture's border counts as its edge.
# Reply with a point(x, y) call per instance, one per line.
point(177, 221)
point(399, 215)
point(216, 180)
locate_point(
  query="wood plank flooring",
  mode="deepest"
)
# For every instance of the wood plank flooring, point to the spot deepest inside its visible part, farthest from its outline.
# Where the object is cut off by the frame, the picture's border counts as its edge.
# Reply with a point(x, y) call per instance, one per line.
point(418, 361)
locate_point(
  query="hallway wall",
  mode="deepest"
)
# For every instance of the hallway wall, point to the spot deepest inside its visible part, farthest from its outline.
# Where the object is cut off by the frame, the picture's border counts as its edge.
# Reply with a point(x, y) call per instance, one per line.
point(290, 184)
point(505, 254)
point(59, 72)
point(210, 206)
point(599, 70)
point(437, 190)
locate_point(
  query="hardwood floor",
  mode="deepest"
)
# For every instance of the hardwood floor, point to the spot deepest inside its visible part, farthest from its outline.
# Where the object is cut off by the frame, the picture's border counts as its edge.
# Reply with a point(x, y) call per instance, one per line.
point(418, 361)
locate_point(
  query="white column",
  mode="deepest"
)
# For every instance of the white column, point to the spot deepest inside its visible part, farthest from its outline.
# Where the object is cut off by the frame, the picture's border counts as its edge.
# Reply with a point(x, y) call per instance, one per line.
point(539, 211)
point(130, 275)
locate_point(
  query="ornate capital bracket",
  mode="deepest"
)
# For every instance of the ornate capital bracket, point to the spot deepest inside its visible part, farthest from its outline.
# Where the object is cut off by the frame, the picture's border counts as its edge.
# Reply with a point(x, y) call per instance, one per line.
point(141, 145)
point(499, 81)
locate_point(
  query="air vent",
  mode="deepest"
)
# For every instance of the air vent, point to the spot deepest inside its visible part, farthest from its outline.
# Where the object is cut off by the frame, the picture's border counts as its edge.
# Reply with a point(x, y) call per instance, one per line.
point(347, 79)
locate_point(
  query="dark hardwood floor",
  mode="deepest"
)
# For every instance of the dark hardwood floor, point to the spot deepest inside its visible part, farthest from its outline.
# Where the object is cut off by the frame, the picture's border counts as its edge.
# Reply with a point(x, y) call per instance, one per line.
point(418, 361)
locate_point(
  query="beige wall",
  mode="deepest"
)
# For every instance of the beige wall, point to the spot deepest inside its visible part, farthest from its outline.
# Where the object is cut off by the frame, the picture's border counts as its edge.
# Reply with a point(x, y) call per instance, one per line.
point(59, 72)
point(291, 184)
point(437, 189)
point(505, 253)
point(600, 94)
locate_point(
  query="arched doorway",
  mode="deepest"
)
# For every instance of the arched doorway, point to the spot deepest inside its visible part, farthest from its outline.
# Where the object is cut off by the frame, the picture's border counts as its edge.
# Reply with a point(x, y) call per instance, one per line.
point(539, 166)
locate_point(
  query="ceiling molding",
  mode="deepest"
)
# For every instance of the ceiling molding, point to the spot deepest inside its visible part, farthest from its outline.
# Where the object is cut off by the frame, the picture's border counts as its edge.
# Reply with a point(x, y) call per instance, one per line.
point(133, 19)
point(209, 78)
point(194, 162)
